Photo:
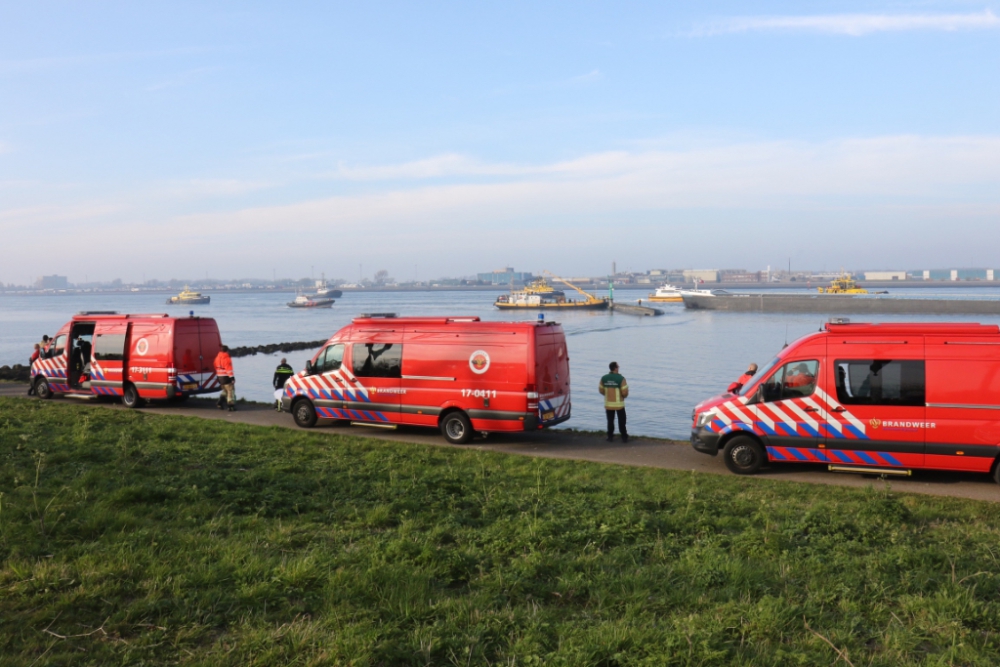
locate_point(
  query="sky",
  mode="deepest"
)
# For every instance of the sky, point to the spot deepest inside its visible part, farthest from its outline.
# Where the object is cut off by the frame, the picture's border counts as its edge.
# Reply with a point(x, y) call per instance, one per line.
point(190, 139)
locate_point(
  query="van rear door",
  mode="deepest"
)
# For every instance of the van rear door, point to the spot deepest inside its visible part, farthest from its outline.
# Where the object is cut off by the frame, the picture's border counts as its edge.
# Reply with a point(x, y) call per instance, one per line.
point(552, 375)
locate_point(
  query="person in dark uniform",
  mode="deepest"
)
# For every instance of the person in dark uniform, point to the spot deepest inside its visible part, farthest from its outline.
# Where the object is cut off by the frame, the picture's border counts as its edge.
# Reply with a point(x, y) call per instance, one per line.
point(614, 388)
point(281, 375)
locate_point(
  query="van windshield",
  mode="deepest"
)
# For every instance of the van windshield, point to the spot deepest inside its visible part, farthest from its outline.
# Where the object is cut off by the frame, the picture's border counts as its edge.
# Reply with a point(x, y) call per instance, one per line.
point(751, 386)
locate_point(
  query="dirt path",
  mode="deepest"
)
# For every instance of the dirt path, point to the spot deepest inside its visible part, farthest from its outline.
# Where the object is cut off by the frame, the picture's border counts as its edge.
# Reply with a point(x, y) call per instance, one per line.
point(648, 452)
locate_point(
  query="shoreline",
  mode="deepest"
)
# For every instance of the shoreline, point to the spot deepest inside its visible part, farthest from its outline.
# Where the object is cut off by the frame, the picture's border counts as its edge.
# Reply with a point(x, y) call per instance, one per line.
point(593, 287)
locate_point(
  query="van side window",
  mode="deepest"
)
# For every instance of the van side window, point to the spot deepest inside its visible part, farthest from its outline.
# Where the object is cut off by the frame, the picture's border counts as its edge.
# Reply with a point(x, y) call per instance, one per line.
point(330, 360)
point(795, 379)
point(109, 347)
point(880, 382)
point(59, 346)
point(378, 360)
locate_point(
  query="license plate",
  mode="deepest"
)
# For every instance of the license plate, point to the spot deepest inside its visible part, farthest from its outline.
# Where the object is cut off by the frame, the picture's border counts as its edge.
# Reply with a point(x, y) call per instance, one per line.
point(189, 386)
point(548, 415)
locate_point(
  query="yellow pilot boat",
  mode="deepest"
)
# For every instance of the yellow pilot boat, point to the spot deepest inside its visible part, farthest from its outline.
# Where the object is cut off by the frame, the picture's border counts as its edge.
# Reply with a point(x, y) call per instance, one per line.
point(842, 285)
point(187, 297)
point(667, 294)
point(540, 295)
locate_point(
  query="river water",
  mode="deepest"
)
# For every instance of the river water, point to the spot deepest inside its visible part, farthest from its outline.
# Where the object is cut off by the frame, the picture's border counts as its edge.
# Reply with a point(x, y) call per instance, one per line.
point(671, 362)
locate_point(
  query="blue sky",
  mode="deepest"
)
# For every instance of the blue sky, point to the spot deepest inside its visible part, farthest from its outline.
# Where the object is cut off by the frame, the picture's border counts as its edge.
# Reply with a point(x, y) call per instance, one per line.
point(175, 139)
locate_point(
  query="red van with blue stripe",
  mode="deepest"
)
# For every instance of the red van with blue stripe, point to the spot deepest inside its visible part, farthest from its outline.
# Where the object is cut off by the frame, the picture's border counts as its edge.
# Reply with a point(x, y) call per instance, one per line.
point(877, 398)
point(458, 374)
point(132, 357)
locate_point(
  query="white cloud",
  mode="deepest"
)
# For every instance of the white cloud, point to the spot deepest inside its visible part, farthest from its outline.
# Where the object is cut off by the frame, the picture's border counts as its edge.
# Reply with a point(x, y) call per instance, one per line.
point(855, 24)
point(883, 195)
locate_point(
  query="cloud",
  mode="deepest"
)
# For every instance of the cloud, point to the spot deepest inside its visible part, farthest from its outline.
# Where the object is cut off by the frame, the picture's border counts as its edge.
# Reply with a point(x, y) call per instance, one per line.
point(854, 24)
point(882, 195)
point(182, 79)
point(30, 65)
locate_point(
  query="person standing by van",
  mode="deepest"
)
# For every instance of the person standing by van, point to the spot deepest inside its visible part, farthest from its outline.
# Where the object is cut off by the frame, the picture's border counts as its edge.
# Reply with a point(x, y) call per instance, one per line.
point(614, 388)
point(31, 361)
point(224, 371)
point(744, 379)
point(45, 345)
point(281, 375)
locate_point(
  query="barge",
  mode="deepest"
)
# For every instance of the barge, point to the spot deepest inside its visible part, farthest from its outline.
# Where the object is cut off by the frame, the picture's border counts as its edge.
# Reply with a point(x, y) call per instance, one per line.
point(839, 304)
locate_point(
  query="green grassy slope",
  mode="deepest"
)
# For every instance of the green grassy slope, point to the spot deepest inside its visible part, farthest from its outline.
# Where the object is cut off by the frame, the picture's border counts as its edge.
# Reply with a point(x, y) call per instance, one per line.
point(135, 539)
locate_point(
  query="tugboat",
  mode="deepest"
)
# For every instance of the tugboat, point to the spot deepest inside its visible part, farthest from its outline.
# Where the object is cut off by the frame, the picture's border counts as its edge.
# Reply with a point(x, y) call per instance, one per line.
point(843, 285)
point(322, 289)
point(532, 298)
point(303, 301)
point(187, 297)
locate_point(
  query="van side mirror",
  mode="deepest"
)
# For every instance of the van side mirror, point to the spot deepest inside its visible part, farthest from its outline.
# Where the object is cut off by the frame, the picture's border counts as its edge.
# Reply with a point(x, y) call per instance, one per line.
point(309, 367)
point(754, 398)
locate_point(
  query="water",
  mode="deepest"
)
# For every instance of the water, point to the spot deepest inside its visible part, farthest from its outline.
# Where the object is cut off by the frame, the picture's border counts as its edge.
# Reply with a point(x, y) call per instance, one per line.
point(671, 362)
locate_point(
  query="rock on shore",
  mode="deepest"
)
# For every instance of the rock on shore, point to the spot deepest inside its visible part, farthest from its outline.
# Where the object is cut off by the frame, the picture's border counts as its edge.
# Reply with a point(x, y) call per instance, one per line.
point(275, 347)
point(15, 373)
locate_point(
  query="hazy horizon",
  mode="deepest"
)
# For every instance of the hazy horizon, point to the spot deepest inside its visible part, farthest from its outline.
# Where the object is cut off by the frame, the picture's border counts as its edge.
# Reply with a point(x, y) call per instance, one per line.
point(163, 139)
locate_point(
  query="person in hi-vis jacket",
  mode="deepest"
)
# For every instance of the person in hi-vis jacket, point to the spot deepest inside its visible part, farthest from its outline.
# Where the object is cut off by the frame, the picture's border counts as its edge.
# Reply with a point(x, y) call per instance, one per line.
point(614, 388)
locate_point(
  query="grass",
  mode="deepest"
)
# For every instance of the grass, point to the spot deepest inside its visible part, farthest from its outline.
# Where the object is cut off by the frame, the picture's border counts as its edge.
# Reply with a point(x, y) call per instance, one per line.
point(131, 539)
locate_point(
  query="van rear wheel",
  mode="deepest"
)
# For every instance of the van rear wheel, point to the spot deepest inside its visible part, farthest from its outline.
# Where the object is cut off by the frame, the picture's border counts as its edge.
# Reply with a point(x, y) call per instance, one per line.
point(304, 413)
point(131, 398)
point(456, 428)
point(744, 455)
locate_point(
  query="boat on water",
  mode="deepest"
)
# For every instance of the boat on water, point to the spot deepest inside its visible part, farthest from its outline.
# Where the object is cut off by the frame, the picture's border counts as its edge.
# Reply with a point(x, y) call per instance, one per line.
point(667, 293)
point(187, 297)
point(842, 285)
point(537, 297)
point(324, 290)
point(303, 301)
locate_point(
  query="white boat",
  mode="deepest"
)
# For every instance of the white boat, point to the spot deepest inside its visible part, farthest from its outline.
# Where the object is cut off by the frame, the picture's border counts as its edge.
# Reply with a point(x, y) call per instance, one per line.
point(703, 292)
point(303, 301)
point(667, 293)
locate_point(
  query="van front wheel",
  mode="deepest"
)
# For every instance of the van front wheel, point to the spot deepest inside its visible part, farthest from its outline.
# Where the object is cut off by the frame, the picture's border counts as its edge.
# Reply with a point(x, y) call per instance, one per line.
point(304, 414)
point(744, 455)
point(456, 428)
point(42, 389)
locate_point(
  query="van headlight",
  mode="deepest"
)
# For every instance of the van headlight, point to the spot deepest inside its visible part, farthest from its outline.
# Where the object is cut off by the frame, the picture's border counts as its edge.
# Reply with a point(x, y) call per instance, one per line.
point(704, 418)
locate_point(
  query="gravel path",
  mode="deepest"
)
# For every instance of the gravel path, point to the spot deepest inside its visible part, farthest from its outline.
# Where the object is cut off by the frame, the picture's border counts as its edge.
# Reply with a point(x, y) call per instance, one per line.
point(648, 452)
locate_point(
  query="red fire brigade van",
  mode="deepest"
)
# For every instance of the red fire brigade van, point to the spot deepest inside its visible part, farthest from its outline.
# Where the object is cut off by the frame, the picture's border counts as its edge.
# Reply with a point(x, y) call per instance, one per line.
point(883, 398)
point(136, 357)
point(459, 374)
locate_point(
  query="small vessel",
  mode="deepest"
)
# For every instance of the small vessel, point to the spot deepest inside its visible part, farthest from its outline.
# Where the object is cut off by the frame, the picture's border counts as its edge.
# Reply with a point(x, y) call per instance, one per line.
point(303, 301)
point(188, 297)
point(536, 299)
point(667, 293)
point(543, 288)
point(703, 292)
point(324, 290)
point(842, 285)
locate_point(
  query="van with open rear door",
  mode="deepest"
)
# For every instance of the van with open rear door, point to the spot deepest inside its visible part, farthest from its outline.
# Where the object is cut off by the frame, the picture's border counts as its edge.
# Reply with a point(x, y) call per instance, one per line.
point(134, 357)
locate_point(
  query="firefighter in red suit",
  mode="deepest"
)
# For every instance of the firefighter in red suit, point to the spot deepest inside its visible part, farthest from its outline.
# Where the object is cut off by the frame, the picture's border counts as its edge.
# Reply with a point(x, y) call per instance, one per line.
point(744, 380)
point(224, 371)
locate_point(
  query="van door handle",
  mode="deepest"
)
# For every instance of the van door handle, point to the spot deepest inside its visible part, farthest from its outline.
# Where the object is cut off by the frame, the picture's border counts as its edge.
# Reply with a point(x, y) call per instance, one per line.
point(839, 409)
point(808, 409)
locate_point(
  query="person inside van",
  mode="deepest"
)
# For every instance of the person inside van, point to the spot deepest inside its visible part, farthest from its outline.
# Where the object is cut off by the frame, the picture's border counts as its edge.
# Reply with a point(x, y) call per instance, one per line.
point(800, 380)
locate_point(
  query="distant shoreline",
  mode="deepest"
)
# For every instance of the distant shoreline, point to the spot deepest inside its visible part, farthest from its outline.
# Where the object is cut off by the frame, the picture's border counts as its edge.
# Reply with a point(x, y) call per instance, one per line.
point(808, 287)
